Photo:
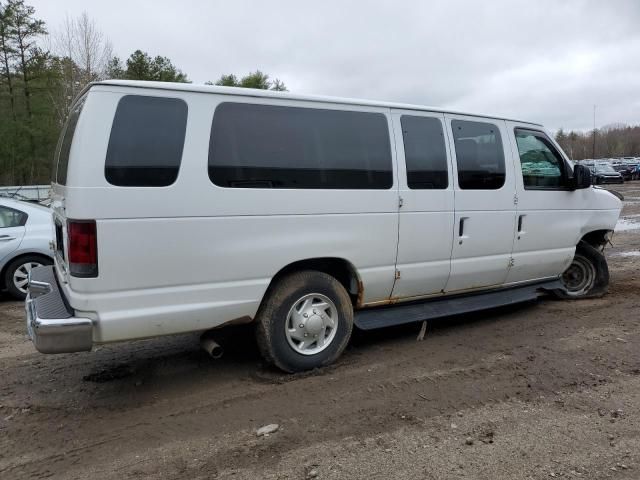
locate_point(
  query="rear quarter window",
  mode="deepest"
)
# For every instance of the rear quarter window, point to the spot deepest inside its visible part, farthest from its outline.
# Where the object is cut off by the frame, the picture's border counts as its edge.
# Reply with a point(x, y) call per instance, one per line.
point(146, 141)
point(12, 218)
point(64, 150)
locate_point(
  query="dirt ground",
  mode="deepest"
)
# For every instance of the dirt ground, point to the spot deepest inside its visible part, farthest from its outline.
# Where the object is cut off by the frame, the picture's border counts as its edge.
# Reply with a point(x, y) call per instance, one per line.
point(543, 390)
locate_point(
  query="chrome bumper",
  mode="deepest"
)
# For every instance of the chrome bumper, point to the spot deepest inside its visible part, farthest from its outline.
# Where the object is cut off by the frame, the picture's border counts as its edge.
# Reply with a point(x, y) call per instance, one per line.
point(51, 324)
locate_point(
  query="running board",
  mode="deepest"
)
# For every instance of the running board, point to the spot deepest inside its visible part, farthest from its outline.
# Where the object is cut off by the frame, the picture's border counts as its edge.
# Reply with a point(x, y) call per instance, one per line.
point(400, 314)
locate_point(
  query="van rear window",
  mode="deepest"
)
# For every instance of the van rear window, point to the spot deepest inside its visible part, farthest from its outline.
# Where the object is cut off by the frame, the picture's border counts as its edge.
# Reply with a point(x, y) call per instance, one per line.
point(269, 146)
point(62, 159)
point(146, 142)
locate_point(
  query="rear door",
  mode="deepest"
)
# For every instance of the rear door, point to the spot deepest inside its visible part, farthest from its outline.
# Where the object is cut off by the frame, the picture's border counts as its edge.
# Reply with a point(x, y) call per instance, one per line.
point(12, 229)
point(64, 152)
point(484, 223)
point(426, 214)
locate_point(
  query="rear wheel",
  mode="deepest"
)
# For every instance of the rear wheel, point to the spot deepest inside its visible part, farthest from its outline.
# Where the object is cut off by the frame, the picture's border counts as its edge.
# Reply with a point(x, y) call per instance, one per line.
point(588, 274)
point(304, 322)
point(16, 275)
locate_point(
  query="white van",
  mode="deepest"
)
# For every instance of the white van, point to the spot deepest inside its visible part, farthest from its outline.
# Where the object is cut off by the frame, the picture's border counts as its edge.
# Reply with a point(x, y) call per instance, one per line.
point(184, 208)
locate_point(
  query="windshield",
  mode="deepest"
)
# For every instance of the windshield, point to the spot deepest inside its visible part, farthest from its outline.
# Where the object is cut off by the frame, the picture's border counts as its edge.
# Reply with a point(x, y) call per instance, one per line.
point(605, 169)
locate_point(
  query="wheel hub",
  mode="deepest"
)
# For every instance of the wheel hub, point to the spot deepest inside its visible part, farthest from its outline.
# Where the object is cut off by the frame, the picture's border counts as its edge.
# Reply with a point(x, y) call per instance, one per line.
point(579, 278)
point(311, 324)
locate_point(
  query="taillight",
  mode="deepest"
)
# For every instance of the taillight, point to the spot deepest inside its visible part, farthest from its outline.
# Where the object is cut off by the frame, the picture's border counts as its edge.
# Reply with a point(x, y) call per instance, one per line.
point(83, 248)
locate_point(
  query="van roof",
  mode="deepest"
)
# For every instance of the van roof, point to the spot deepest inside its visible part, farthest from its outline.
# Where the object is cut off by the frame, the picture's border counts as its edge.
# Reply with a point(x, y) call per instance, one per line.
point(249, 92)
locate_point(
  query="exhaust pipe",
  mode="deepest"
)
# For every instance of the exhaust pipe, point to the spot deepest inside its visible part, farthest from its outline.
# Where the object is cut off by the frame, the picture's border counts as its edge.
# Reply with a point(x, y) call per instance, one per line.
point(210, 346)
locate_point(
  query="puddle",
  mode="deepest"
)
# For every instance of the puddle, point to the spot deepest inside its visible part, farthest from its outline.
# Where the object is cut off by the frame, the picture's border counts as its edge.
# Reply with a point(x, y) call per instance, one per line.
point(626, 224)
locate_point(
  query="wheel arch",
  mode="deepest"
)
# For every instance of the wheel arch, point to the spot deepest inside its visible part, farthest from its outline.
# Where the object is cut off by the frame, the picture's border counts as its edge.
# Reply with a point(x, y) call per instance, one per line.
point(597, 238)
point(339, 268)
point(19, 255)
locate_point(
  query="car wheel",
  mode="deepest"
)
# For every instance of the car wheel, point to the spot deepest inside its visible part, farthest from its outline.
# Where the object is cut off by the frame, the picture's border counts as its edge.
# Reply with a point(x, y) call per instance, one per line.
point(587, 276)
point(304, 322)
point(17, 273)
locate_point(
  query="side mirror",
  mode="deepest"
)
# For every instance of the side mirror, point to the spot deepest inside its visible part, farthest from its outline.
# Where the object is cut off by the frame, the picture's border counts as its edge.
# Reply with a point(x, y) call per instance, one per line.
point(581, 177)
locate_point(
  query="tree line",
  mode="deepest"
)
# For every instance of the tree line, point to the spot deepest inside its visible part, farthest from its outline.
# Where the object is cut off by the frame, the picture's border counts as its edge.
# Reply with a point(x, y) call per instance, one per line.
point(42, 71)
point(611, 141)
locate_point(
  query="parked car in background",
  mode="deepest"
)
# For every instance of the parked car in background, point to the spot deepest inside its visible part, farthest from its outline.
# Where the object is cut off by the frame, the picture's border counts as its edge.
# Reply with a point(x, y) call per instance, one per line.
point(25, 234)
point(604, 173)
point(633, 165)
point(624, 169)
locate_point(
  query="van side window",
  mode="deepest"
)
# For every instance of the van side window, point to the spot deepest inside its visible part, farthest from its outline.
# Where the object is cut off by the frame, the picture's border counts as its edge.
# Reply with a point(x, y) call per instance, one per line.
point(424, 152)
point(479, 155)
point(269, 146)
point(146, 142)
point(542, 165)
point(62, 159)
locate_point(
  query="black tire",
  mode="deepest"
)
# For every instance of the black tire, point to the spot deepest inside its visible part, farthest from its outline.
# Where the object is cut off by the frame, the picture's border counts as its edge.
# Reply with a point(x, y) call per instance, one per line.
point(272, 320)
point(590, 262)
point(13, 289)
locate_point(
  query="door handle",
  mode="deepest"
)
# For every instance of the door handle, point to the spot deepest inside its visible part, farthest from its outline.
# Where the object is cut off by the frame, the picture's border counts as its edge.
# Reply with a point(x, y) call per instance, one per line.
point(520, 225)
point(6, 238)
point(461, 234)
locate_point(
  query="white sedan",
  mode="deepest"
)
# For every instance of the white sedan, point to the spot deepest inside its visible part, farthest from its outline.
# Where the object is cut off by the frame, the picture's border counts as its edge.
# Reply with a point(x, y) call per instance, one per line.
point(25, 235)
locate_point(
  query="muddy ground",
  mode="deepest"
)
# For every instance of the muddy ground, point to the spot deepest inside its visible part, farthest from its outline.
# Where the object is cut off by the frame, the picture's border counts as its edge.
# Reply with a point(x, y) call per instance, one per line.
point(544, 390)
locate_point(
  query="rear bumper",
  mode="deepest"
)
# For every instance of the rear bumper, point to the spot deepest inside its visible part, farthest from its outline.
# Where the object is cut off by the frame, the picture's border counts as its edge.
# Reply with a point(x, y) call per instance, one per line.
point(51, 323)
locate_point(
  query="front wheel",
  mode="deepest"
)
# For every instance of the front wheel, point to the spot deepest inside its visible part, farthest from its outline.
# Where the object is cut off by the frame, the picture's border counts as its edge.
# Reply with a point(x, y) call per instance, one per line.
point(305, 321)
point(587, 276)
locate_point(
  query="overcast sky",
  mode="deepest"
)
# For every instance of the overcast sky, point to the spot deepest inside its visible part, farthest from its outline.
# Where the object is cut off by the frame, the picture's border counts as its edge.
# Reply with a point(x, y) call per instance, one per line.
point(545, 60)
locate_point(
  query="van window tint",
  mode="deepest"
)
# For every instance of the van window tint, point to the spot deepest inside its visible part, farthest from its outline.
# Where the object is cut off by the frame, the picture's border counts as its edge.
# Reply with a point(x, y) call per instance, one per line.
point(479, 155)
point(541, 164)
point(64, 149)
point(267, 146)
point(146, 142)
point(424, 152)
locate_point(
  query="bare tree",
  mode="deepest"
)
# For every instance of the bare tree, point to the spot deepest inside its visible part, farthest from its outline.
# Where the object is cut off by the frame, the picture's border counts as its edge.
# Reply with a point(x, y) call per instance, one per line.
point(92, 49)
point(85, 53)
